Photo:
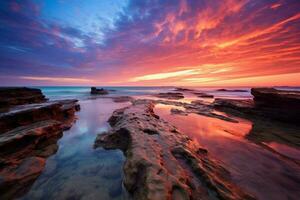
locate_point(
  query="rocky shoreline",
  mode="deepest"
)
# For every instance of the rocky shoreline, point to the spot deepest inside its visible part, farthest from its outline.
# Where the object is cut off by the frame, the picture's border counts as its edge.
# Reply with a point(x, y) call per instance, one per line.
point(30, 127)
point(163, 163)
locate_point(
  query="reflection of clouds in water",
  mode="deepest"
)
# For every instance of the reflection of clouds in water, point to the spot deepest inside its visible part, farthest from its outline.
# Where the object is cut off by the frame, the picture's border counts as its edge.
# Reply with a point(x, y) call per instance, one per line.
point(255, 169)
point(77, 169)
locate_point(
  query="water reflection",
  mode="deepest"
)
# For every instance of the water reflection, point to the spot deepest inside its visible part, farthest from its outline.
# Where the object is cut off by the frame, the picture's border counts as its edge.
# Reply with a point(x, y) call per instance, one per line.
point(77, 171)
point(255, 168)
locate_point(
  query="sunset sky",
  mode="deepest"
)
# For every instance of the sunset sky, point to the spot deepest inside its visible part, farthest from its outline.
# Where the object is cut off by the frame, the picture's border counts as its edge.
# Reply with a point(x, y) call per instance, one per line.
point(150, 42)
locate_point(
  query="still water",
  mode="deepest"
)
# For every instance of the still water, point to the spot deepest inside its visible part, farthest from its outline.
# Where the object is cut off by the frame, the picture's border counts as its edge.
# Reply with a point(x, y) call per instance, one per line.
point(260, 171)
point(265, 167)
point(77, 170)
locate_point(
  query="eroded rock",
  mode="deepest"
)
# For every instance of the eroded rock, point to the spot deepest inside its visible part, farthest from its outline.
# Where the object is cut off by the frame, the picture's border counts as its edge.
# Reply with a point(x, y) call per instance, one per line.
point(170, 95)
point(28, 135)
point(163, 163)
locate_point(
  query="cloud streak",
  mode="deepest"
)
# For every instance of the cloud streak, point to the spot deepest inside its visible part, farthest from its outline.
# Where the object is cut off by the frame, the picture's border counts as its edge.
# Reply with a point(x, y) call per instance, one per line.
point(156, 43)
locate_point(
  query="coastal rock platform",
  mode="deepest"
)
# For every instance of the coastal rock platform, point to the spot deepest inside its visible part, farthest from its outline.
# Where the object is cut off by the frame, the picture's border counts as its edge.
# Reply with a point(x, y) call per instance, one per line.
point(28, 135)
point(163, 163)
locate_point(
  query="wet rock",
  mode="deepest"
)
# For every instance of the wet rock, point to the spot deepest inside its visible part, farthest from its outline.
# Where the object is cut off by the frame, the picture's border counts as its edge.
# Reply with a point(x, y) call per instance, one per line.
point(268, 103)
point(243, 105)
point(16, 179)
point(27, 114)
point(170, 95)
point(196, 107)
point(100, 91)
point(203, 95)
point(183, 89)
point(28, 135)
point(157, 166)
point(11, 96)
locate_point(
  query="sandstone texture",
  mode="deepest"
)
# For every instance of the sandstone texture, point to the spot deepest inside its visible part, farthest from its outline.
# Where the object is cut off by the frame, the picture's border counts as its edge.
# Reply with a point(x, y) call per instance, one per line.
point(170, 95)
point(268, 103)
point(163, 163)
point(28, 135)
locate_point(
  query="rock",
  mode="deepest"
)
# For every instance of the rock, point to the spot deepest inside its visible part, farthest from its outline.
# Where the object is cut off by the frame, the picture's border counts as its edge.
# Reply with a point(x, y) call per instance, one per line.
point(203, 95)
point(227, 90)
point(28, 135)
point(242, 105)
point(163, 163)
point(271, 97)
point(196, 107)
point(267, 103)
point(16, 180)
point(183, 89)
point(27, 114)
point(170, 95)
point(11, 96)
point(100, 91)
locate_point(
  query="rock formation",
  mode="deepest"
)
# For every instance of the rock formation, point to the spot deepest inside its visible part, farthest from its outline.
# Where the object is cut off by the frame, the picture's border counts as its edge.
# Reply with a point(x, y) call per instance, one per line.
point(11, 96)
point(163, 163)
point(100, 91)
point(170, 95)
point(268, 103)
point(28, 135)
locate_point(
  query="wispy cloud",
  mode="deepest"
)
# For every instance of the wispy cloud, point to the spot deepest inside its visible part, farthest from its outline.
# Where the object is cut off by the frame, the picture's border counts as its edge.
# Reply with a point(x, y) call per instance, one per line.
point(166, 75)
point(56, 79)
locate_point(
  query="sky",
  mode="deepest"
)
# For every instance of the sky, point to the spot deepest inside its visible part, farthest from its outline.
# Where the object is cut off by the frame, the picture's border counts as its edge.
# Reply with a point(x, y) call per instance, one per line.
point(150, 42)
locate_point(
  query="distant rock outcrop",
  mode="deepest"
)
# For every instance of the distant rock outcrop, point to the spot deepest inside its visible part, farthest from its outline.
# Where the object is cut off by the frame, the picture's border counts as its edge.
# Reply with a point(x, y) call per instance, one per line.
point(11, 96)
point(170, 95)
point(270, 103)
point(28, 135)
point(100, 91)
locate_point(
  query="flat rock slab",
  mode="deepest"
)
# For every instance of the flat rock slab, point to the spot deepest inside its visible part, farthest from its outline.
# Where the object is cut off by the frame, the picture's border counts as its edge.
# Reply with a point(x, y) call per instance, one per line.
point(170, 95)
point(30, 113)
point(163, 163)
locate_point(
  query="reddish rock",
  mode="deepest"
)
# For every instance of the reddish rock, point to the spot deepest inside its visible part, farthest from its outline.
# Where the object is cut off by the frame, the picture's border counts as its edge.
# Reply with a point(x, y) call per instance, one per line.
point(268, 103)
point(170, 95)
point(28, 135)
point(163, 163)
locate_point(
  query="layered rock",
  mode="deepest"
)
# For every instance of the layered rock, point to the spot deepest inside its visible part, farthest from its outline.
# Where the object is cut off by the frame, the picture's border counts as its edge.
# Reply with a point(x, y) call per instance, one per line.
point(100, 91)
point(28, 135)
point(267, 102)
point(170, 95)
point(163, 163)
point(203, 95)
point(11, 96)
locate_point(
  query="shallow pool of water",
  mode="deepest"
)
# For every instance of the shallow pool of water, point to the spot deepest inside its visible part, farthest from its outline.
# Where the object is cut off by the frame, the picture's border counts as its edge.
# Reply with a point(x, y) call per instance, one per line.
point(77, 170)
